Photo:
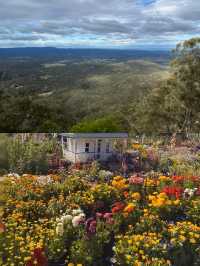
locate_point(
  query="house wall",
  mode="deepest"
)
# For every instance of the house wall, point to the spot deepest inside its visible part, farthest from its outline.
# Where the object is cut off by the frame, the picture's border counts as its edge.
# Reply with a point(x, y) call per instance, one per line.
point(75, 151)
point(82, 156)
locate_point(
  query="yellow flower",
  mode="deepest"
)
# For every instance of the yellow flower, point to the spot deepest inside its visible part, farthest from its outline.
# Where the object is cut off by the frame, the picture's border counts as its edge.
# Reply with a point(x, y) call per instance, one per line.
point(118, 178)
point(119, 182)
point(182, 238)
point(129, 208)
point(176, 202)
point(136, 196)
point(27, 259)
point(164, 178)
point(192, 240)
point(137, 263)
point(136, 146)
point(128, 257)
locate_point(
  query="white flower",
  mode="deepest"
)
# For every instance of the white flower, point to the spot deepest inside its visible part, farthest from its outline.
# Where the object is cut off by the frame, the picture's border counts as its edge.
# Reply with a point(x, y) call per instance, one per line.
point(59, 229)
point(13, 175)
point(66, 218)
point(189, 192)
point(114, 248)
point(76, 212)
point(113, 260)
point(82, 216)
point(78, 219)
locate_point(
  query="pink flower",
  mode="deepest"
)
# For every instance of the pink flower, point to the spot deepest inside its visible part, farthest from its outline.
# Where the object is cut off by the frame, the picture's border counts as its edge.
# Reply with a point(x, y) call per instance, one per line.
point(136, 180)
point(99, 215)
point(107, 215)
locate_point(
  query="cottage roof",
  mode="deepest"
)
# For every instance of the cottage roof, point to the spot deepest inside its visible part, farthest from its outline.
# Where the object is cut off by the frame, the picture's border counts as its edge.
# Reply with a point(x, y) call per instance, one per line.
point(95, 135)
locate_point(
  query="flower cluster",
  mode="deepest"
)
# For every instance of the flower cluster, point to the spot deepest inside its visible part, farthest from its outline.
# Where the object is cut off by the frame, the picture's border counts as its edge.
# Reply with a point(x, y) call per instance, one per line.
point(162, 200)
point(143, 249)
point(144, 220)
point(74, 217)
point(119, 183)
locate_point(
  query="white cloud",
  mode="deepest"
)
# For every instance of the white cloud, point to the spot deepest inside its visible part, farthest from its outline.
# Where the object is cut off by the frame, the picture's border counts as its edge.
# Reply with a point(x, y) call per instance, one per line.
point(98, 22)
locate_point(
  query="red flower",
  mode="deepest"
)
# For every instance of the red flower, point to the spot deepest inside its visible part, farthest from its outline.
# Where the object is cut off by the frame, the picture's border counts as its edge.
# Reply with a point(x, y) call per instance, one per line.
point(126, 194)
point(2, 227)
point(117, 207)
point(178, 179)
point(173, 191)
point(39, 256)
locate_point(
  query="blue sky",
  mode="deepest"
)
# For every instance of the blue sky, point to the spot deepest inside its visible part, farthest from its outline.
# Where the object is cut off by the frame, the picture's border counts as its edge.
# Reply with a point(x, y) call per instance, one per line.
point(126, 24)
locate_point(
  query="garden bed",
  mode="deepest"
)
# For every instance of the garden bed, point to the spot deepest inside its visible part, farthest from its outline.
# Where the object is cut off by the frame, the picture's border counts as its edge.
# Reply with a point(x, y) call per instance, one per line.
point(143, 220)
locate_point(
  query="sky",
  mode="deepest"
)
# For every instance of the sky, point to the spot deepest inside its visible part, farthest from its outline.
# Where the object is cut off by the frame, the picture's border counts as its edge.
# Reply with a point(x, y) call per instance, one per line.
point(126, 24)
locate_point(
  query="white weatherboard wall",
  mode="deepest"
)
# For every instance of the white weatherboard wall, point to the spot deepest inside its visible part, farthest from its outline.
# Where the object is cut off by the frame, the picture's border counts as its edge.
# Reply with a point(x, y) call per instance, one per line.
point(82, 156)
point(74, 146)
point(69, 152)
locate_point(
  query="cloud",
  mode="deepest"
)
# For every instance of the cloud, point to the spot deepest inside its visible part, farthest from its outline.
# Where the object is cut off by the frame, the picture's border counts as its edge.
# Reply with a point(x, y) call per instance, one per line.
point(97, 22)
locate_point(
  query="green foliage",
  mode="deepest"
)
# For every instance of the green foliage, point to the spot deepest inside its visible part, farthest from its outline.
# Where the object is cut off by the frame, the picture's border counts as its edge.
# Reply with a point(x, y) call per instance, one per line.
point(28, 156)
point(174, 105)
point(4, 164)
point(107, 124)
point(53, 98)
point(105, 95)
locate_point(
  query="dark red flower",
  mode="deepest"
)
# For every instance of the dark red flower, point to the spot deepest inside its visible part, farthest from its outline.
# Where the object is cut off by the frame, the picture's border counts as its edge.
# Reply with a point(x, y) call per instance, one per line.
point(198, 192)
point(39, 256)
point(2, 227)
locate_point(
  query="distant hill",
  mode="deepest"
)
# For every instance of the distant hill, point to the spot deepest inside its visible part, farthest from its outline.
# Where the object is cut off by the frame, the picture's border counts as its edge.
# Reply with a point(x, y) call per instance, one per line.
point(72, 53)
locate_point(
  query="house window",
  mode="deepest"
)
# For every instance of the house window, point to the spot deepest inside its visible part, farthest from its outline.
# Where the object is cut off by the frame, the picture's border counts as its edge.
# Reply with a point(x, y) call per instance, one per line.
point(107, 147)
point(99, 146)
point(87, 147)
point(65, 142)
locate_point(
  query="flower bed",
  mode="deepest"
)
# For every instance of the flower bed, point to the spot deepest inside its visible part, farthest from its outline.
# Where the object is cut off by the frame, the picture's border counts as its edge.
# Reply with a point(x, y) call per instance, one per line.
point(152, 220)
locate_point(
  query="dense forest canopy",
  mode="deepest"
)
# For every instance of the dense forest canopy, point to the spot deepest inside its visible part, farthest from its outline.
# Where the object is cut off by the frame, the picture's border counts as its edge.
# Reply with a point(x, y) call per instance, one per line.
point(139, 94)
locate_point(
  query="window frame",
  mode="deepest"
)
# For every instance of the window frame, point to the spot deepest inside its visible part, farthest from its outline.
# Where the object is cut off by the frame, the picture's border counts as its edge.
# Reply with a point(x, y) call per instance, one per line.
point(107, 147)
point(87, 147)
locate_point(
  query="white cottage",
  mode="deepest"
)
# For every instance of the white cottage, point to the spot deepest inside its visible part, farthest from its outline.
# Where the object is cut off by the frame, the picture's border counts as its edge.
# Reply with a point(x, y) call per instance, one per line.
point(84, 147)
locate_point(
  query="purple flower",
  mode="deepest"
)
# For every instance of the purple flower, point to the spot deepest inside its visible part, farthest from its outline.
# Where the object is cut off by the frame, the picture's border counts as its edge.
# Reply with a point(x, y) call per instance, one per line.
point(90, 225)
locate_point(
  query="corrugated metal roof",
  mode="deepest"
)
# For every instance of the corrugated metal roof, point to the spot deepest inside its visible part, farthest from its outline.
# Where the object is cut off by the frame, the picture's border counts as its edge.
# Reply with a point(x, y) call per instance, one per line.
point(95, 135)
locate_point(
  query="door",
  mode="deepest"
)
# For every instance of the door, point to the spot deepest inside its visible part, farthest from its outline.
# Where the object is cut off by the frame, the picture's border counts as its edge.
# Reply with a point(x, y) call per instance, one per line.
point(99, 148)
